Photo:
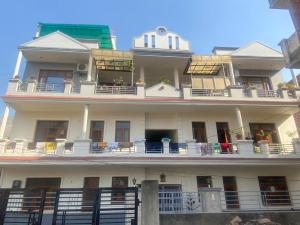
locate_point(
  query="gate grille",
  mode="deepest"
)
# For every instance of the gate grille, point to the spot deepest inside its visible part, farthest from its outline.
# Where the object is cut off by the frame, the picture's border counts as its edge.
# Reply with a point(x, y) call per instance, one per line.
point(101, 206)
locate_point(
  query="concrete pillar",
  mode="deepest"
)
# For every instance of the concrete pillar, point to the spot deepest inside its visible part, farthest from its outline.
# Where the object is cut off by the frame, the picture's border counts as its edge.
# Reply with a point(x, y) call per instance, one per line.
point(236, 91)
point(231, 71)
point(87, 87)
point(283, 92)
point(90, 68)
point(264, 146)
point(140, 90)
point(297, 92)
point(192, 147)
point(82, 147)
point(176, 78)
point(245, 147)
point(142, 74)
point(13, 85)
point(166, 145)
point(4, 121)
point(150, 202)
point(296, 143)
point(31, 86)
point(3, 143)
point(68, 87)
point(140, 146)
point(253, 92)
point(186, 90)
point(18, 64)
point(211, 200)
point(294, 78)
point(240, 121)
point(85, 121)
point(60, 146)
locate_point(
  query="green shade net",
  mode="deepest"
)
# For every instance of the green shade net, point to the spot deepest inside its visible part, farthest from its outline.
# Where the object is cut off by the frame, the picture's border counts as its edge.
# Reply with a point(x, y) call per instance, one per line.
point(101, 33)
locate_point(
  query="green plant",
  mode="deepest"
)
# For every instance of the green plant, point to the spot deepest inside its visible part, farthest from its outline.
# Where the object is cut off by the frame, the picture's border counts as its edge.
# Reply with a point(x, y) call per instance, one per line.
point(288, 85)
point(165, 80)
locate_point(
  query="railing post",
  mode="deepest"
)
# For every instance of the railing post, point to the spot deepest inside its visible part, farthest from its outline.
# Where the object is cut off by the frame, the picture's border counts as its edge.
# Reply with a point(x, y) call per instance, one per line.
point(297, 92)
point(21, 144)
point(68, 87)
point(211, 199)
point(192, 147)
point(245, 147)
point(3, 143)
point(140, 90)
point(140, 146)
point(253, 92)
point(13, 85)
point(82, 146)
point(166, 145)
point(236, 91)
point(264, 147)
point(186, 90)
point(31, 86)
point(296, 144)
point(87, 88)
point(283, 93)
point(150, 202)
point(60, 147)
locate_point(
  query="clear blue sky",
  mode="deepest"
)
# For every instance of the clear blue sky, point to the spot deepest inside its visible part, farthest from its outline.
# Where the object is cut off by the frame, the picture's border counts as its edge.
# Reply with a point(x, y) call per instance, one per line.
point(206, 23)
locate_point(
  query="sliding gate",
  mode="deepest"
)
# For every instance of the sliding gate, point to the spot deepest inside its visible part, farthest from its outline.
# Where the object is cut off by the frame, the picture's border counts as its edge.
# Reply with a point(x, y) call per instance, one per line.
point(102, 206)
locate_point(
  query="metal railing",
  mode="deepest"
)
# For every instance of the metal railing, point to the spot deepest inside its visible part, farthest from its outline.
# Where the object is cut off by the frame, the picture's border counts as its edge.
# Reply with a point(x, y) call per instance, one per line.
point(216, 148)
point(121, 147)
point(50, 87)
point(210, 92)
point(194, 202)
point(116, 90)
point(262, 93)
point(284, 149)
point(23, 87)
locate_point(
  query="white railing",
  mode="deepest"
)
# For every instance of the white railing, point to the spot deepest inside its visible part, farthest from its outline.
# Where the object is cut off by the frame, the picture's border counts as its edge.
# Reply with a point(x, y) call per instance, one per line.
point(210, 92)
point(48, 87)
point(284, 149)
point(116, 90)
point(179, 202)
point(267, 93)
point(191, 202)
point(75, 88)
point(23, 87)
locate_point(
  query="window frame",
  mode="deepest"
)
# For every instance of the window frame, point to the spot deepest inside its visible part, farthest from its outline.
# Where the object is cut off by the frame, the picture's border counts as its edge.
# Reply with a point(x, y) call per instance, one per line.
point(117, 130)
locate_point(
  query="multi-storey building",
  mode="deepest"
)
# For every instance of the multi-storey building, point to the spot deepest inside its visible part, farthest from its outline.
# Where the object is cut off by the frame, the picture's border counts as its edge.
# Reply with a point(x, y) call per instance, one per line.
point(88, 115)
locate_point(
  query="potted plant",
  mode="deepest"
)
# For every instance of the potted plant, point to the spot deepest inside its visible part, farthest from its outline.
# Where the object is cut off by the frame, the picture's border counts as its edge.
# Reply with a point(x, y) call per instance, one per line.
point(165, 80)
point(238, 136)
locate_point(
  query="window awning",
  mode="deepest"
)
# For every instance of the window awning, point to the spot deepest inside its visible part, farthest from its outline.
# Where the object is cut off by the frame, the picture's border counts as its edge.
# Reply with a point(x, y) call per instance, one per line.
point(206, 64)
point(111, 60)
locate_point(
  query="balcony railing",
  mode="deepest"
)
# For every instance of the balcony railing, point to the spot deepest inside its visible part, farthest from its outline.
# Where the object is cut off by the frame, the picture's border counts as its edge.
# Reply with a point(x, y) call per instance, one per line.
point(116, 90)
point(284, 149)
point(267, 93)
point(50, 87)
point(191, 202)
point(210, 92)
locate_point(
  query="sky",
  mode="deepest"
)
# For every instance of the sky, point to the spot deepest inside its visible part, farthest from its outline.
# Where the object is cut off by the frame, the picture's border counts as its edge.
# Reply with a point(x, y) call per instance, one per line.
point(206, 23)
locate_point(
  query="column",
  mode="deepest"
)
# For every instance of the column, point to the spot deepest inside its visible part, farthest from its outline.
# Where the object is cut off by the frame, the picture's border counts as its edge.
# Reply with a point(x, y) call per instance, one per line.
point(18, 64)
point(240, 121)
point(89, 75)
point(4, 121)
point(176, 78)
point(85, 121)
point(142, 74)
point(231, 70)
point(294, 78)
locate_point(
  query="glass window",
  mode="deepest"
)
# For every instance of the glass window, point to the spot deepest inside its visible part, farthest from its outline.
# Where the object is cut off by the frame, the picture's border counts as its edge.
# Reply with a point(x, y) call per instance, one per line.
point(274, 191)
point(177, 42)
point(120, 183)
point(122, 131)
point(199, 132)
point(204, 182)
point(153, 41)
point(49, 131)
point(170, 42)
point(97, 131)
point(146, 41)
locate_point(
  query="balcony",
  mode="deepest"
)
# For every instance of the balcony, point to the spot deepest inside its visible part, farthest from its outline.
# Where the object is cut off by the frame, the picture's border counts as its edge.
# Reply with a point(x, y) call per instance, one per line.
point(291, 48)
point(84, 148)
point(278, 4)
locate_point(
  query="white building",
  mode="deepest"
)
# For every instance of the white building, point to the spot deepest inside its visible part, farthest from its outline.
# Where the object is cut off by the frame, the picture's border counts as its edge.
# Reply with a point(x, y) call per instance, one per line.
point(87, 115)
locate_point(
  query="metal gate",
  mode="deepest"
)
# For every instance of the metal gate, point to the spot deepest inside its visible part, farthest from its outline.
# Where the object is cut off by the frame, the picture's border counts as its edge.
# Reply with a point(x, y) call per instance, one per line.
point(101, 206)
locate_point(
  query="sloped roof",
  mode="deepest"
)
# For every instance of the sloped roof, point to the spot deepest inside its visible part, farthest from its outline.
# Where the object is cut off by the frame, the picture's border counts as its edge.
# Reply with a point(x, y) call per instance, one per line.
point(101, 33)
point(56, 40)
point(257, 49)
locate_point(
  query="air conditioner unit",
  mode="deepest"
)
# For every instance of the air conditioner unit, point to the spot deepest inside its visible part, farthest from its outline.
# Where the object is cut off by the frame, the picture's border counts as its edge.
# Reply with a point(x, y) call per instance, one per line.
point(83, 68)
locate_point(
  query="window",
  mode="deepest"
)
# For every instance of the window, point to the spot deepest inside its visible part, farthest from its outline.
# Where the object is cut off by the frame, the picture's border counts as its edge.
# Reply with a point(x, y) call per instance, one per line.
point(199, 132)
point(170, 197)
point(223, 132)
point(96, 131)
point(49, 131)
point(264, 131)
point(177, 42)
point(274, 191)
point(231, 192)
point(170, 42)
point(146, 41)
point(119, 183)
point(204, 182)
point(153, 41)
point(122, 131)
